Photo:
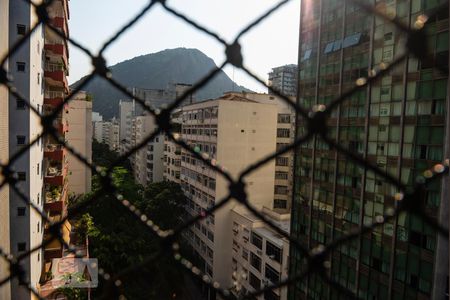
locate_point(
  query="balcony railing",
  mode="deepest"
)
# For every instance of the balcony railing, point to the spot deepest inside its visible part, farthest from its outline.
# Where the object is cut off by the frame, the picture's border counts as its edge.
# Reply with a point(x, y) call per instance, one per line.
point(54, 94)
point(53, 67)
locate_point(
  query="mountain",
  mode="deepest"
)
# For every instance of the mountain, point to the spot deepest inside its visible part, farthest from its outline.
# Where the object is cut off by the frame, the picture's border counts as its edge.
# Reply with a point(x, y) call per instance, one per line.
point(156, 71)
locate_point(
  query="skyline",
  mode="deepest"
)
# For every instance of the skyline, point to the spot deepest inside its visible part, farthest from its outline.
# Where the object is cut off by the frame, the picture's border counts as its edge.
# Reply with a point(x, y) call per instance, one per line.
point(278, 49)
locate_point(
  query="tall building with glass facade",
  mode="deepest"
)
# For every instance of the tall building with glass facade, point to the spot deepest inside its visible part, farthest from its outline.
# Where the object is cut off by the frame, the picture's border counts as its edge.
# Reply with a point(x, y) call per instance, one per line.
point(397, 123)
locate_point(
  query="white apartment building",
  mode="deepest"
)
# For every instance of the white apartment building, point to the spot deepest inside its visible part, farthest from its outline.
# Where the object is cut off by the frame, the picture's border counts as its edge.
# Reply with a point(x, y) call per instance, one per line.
point(172, 151)
point(284, 164)
point(79, 138)
point(148, 160)
point(172, 160)
point(96, 117)
point(107, 132)
point(260, 254)
point(26, 69)
point(233, 132)
point(5, 290)
point(126, 115)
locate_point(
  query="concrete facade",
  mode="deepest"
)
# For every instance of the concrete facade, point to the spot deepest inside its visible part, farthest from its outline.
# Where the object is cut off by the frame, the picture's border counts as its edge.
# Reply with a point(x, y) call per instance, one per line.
point(260, 255)
point(79, 138)
point(5, 290)
point(233, 133)
point(284, 164)
point(26, 68)
point(126, 114)
point(284, 80)
point(107, 132)
point(148, 161)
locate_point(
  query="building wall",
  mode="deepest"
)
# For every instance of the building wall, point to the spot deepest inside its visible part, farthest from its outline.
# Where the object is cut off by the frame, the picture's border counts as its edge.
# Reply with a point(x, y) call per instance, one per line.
point(5, 292)
point(98, 131)
point(239, 133)
point(24, 122)
point(244, 248)
point(79, 138)
point(284, 164)
point(126, 115)
point(172, 161)
point(155, 160)
point(284, 80)
point(148, 161)
point(397, 123)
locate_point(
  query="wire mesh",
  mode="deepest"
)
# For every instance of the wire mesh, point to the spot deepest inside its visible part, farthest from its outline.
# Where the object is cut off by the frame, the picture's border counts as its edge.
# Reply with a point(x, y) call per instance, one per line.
point(315, 119)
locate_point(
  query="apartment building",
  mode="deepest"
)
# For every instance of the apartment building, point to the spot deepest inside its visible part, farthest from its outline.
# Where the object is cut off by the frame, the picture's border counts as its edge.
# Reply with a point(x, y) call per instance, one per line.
point(108, 132)
point(26, 69)
point(160, 98)
point(79, 138)
point(5, 289)
point(284, 164)
point(126, 115)
point(284, 80)
point(56, 167)
point(233, 132)
point(260, 255)
point(172, 151)
point(172, 161)
point(96, 117)
point(148, 160)
point(398, 123)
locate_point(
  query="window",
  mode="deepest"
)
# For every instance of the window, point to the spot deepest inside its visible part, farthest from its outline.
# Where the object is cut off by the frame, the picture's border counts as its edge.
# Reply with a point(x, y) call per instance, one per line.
point(256, 240)
point(282, 161)
point(283, 132)
point(21, 246)
point(22, 176)
point(20, 104)
point(38, 226)
point(21, 211)
point(284, 118)
point(38, 167)
point(255, 261)
point(20, 140)
point(281, 175)
point(281, 190)
point(279, 203)
point(254, 281)
point(274, 252)
point(20, 66)
point(270, 295)
point(21, 29)
point(272, 274)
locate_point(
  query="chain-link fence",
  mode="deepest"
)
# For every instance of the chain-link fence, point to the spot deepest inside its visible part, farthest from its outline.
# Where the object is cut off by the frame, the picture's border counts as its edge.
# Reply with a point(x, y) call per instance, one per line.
point(410, 200)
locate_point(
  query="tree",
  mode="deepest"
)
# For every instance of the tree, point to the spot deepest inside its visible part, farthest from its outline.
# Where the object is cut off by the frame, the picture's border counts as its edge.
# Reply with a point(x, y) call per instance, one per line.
point(104, 157)
point(119, 239)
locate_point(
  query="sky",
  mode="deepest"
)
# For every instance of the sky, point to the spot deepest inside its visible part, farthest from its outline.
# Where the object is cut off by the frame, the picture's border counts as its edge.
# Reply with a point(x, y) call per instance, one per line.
point(272, 43)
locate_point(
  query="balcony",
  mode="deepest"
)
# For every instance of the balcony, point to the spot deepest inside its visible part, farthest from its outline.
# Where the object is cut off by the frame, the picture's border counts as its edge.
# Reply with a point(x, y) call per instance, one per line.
point(55, 173)
point(55, 249)
point(55, 200)
point(55, 75)
point(54, 98)
point(54, 152)
point(57, 49)
point(60, 23)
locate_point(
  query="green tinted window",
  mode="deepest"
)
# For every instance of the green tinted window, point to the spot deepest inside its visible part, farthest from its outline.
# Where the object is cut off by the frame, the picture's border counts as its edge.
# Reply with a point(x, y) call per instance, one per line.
point(442, 42)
